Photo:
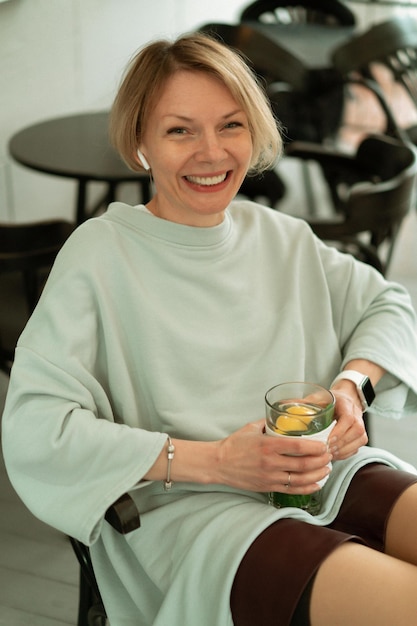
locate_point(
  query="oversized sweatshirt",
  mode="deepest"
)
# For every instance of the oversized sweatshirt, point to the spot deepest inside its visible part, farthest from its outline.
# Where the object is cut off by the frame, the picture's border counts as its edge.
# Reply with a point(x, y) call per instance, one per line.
point(148, 327)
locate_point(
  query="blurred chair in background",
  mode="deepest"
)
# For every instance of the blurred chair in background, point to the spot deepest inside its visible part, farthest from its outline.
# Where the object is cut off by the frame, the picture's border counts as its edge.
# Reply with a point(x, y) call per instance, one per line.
point(371, 192)
point(379, 70)
point(289, 44)
point(310, 106)
point(27, 252)
point(328, 12)
point(268, 188)
point(124, 517)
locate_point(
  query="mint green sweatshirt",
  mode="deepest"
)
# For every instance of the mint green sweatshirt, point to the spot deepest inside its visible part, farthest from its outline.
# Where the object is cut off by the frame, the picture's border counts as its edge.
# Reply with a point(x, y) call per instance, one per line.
point(148, 327)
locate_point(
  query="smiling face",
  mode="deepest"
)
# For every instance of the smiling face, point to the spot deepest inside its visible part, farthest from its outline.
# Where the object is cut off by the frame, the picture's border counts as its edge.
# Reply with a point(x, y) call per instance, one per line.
point(198, 144)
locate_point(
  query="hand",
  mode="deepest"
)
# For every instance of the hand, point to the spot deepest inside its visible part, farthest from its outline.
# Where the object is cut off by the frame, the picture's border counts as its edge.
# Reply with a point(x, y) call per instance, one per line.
point(349, 434)
point(249, 459)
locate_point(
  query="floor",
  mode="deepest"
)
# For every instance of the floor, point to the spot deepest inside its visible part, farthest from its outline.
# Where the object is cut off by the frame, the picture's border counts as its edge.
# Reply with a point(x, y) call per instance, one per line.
point(38, 571)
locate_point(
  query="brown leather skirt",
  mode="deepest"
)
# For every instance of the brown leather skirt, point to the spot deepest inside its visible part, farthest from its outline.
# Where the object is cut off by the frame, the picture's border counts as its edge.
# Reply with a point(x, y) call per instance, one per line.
point(273, 582)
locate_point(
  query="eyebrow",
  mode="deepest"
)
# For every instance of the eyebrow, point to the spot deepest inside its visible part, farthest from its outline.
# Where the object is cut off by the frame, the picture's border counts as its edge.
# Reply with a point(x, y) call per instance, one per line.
point(184, 118)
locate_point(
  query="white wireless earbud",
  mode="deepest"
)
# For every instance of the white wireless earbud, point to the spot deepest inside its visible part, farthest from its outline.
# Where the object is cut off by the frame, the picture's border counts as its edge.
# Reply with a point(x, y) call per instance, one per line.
point(143, 160)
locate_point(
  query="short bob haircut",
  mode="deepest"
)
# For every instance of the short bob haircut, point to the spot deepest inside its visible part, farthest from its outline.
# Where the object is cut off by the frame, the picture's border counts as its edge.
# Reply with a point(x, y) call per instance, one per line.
point(148, 73)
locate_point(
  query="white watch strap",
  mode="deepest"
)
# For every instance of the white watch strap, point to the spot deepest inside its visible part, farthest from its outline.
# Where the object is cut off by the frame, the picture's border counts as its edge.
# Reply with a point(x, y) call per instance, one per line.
point(357, 378)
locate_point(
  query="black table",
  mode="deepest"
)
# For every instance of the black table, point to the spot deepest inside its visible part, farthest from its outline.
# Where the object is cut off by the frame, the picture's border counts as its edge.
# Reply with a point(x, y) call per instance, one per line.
point(76, 147)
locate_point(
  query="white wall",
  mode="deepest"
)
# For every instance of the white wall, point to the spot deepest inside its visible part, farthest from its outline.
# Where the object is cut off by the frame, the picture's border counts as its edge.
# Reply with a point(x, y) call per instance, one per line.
point(63, 56)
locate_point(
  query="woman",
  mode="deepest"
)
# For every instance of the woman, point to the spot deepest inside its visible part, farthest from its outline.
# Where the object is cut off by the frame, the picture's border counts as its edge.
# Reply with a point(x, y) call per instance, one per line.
point(145, 364)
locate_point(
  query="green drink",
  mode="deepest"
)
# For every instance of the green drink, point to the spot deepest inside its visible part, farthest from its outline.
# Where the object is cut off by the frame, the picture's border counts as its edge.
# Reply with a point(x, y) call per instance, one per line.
point(299, 410)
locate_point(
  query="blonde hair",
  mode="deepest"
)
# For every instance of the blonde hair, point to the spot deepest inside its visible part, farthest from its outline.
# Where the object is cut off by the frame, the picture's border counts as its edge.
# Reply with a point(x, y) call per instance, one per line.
point(148, 73)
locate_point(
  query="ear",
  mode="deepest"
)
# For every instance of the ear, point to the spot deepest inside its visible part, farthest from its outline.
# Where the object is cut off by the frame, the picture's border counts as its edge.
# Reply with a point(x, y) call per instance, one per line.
point(143, 160)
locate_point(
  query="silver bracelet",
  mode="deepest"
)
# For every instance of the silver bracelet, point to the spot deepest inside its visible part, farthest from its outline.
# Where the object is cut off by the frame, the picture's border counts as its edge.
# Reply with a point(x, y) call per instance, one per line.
point(171, 452)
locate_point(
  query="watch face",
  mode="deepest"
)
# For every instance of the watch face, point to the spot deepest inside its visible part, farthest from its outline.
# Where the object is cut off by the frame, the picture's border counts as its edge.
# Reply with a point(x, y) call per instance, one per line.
point(368, 391)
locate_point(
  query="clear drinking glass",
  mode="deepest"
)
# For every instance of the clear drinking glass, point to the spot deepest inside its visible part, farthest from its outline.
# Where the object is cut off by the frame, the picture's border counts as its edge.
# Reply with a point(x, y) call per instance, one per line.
point(299, 409)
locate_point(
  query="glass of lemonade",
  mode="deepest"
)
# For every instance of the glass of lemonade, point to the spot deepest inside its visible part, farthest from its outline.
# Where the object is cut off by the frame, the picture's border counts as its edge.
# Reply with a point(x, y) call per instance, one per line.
point(299, 409)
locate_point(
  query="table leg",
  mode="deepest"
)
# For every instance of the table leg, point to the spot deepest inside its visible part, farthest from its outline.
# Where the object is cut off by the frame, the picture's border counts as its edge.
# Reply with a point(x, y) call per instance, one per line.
point(146, 190)
point(110, 196)
point(81, 200)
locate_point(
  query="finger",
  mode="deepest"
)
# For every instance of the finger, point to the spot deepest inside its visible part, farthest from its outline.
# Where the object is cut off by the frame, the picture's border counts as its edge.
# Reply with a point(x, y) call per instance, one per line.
point(300, 447)
point(257, 425)
point(355, 436)
point(343, 425)
point(349, 449)
point(298, 483)
point(304, 464)
point(342, 436)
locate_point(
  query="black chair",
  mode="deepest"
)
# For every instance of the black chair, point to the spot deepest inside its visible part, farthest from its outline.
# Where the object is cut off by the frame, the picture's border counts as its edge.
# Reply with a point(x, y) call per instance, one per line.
point(267, 187)
point(392, 45)
point(304, 120)
point(328, 12)
point(27, 252)
point(124, 517)
point(309, 102)
point(371, 192)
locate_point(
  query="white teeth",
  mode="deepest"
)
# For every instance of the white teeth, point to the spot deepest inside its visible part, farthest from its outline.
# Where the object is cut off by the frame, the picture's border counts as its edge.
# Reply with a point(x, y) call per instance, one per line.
point(206, 180)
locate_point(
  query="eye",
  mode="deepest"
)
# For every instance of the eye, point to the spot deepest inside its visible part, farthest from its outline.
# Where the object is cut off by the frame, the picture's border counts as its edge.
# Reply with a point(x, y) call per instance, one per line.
point(176, 131)
point(231, 125)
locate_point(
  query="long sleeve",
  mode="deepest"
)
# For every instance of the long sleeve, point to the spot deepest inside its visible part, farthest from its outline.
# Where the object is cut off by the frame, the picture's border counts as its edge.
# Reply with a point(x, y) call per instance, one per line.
point(375, 320)
point(68, 445)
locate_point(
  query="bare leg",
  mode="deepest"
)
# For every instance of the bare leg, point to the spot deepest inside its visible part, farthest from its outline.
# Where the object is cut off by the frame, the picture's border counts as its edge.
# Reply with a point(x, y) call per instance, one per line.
point(358, 585)
point(400, 538)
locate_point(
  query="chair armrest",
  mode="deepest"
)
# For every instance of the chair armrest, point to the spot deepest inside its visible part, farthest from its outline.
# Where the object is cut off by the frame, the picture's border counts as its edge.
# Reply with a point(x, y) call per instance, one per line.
point(123, 515)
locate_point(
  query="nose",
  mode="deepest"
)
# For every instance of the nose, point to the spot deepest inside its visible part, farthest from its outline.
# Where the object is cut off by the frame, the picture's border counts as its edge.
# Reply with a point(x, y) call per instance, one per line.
point(210, 148)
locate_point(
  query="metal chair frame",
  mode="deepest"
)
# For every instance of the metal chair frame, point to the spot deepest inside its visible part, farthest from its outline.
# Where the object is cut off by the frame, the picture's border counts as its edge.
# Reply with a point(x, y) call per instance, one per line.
point(371, 191)
point(328, 12)
point(392, 44)
point(124, 517)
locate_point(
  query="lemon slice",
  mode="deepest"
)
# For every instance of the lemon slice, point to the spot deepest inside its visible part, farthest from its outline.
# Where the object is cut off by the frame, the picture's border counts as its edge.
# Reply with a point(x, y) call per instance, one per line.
point(287, 424)
point(299, 423)
point(301, 409)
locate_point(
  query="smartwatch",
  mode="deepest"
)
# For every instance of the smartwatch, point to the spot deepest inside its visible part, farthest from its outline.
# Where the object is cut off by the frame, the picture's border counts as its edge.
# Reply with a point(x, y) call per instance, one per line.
point(364, 386)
